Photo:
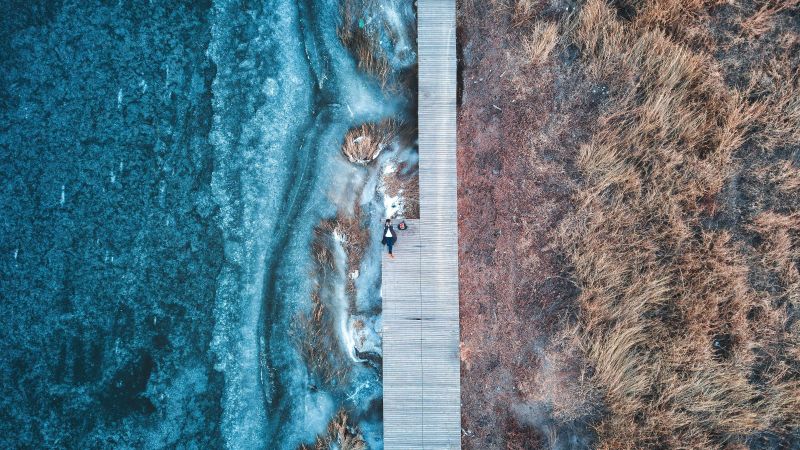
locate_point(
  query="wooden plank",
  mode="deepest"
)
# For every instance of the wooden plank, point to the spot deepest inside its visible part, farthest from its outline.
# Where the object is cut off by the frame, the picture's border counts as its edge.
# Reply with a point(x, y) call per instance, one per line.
point(402, 342)
point(421, 371)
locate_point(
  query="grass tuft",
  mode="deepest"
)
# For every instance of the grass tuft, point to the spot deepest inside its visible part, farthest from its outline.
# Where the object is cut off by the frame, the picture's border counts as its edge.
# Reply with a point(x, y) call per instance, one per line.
point(364, 143)
point(355, 239)
point(540, 44)
point(341, 435)
point(363, 40)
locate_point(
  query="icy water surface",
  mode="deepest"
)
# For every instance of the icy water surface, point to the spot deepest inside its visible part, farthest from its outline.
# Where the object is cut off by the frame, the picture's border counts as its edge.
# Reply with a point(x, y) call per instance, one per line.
point(164, 166)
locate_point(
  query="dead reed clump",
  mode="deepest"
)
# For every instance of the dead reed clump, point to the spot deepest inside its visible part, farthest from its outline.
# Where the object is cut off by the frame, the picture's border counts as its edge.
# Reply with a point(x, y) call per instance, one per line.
point(363, 40)
point(684, 21)
point(314, 331)
point(319, 248)
point(355, 239)
point(537, 47)
point(371, 58)
point(684, 350)
point(529, 60)
point(525, 11)
point(600, 36)
point(314, 334)
point(341, 435)
point(364, 143)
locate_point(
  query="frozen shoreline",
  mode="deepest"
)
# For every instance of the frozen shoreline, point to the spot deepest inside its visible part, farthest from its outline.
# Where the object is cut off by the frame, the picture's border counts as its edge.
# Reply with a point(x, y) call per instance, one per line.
point(278, 153)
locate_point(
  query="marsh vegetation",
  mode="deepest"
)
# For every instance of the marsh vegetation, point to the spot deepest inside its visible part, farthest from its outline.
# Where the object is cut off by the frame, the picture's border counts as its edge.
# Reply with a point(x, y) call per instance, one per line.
point(677, 225)
point(364, 143)
point(337, 333)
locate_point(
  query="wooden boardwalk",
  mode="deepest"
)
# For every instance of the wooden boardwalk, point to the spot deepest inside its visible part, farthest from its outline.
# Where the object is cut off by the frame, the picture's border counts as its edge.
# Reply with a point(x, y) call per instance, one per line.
point(421, 367)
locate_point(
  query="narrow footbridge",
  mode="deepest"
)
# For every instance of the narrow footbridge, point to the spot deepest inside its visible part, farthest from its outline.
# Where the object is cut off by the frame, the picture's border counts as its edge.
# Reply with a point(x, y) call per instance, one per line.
point(421, 376)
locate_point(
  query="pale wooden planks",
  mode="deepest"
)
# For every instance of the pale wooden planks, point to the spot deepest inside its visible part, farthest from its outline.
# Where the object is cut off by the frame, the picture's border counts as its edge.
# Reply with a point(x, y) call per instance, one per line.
point(422, 391)
point(402, 342)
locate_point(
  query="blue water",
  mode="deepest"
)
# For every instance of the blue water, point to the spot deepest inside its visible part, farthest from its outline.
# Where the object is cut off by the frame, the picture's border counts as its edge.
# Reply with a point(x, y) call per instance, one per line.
point(163, 168)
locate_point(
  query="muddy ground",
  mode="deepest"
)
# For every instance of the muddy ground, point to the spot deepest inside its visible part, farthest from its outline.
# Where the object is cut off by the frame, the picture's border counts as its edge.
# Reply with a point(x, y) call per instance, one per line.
point(516, 178)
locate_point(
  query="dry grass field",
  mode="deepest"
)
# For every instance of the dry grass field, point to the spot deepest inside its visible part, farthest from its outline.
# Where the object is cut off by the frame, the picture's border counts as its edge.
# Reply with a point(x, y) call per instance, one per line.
point(680, 232)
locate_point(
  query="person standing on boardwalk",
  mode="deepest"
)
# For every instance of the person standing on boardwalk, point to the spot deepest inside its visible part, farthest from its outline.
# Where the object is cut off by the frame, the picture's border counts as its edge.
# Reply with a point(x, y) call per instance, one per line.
point(389, 236)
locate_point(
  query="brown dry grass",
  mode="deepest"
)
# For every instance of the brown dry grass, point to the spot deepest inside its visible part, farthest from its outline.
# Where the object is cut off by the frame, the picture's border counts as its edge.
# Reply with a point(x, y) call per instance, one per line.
point(364, 42)
point(666, 316)
point(355, 239)
point(685, 21)
point(784, 176)
point(404, 183)
point(315, 337)
point(764, 18)
point(521, 12)
point(541, 42)
point(533, 52)
point(314, 332)
point(341, 435)
point(777, 85)
point(364, 143)
point(525, 10)
point(320, 248)
point(684, 242)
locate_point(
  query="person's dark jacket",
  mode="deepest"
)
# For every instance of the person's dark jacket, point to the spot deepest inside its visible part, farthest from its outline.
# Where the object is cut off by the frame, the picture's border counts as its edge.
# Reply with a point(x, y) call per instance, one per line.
point(385, 240)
